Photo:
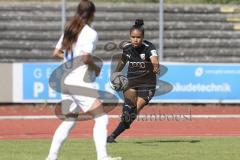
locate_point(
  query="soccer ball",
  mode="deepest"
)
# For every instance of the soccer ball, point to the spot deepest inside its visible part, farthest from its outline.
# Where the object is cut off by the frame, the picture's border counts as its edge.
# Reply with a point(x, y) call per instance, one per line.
point(118, 82)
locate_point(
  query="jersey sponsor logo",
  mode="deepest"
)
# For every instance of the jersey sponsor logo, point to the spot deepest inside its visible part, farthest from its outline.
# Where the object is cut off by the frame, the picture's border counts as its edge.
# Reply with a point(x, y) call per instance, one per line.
point(137, 65)
point(142, 56)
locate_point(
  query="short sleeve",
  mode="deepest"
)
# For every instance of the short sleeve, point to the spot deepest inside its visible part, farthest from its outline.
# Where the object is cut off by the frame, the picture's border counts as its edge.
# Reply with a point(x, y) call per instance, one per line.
point(152, 51)
point(124, 57)
point(59, 44)
point(89, 43)
point(125, 54)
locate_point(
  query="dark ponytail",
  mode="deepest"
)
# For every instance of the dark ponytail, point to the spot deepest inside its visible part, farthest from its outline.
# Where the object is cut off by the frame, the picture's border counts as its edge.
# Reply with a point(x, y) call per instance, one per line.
point(85, 11)
point(138, 25)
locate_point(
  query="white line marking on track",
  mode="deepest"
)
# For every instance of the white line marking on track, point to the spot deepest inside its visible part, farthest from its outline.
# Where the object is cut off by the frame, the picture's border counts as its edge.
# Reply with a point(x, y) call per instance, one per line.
point(139, 118)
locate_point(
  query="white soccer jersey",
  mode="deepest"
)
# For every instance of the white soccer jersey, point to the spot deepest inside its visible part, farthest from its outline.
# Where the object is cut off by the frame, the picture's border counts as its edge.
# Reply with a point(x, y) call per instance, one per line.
point(86, 44)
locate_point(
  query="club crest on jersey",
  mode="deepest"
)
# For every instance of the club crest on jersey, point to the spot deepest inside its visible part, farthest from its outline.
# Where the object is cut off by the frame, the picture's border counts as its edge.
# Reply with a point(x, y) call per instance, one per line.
point(142, 56)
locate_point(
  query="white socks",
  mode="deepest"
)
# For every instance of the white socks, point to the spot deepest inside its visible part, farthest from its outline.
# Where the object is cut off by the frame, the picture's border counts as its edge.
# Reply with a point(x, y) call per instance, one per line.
point(59, 138)
point(100, 135)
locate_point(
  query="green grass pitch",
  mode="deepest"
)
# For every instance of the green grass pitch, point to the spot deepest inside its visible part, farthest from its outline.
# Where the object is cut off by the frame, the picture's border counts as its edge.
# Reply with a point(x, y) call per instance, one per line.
point(190, 148)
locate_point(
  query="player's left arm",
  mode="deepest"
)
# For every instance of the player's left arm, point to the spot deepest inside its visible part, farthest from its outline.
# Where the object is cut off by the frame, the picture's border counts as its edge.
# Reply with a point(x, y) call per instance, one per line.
point(87, 51)
point(88, 60)
point(154, 58)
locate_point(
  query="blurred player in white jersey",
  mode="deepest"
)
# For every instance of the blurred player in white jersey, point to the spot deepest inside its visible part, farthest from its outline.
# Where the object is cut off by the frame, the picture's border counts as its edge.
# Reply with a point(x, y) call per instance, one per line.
point(79, 40)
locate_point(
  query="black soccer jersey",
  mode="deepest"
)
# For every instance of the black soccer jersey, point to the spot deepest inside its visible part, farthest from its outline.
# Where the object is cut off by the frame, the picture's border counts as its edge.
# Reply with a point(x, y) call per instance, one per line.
point(140, 68)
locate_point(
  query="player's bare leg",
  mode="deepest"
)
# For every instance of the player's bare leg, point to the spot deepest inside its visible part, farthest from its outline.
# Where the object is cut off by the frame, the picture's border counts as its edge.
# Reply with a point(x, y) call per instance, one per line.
point(128, 116)
point(140, 104)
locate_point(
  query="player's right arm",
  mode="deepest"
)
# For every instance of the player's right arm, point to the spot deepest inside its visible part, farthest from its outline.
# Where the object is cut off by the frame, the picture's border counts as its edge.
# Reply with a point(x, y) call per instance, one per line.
point(58, 52)
point(122, 61)
point(120, 65)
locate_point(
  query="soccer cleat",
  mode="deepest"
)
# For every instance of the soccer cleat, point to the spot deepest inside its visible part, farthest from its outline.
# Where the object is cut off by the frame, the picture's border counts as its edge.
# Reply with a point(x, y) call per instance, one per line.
point(111, 158)
point(110, 139)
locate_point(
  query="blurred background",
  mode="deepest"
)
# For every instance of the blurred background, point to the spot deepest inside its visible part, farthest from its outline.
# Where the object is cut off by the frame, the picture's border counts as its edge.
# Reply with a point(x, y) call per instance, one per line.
point(197, 40)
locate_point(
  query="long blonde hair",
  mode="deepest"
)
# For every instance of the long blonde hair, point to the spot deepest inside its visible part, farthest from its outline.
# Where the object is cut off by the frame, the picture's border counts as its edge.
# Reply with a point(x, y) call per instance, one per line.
point(85, 11)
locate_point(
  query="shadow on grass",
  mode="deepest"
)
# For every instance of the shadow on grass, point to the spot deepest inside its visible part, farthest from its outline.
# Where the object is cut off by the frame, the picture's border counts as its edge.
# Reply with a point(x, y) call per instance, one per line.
point(145, 142)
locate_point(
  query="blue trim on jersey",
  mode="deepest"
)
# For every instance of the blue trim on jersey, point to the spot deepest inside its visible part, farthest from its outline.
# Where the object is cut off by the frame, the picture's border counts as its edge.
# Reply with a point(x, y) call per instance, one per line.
point(69, 59)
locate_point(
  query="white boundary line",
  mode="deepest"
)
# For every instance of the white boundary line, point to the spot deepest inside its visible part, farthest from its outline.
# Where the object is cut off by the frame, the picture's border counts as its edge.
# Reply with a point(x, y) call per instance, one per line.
point(140, 117)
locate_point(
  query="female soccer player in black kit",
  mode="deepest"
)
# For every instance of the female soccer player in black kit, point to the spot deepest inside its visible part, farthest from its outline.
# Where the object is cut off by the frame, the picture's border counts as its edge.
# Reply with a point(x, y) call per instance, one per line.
point(143, 66)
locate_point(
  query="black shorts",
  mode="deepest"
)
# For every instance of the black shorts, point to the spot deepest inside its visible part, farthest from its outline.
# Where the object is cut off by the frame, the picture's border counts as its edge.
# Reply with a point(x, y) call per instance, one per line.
point(145, 91)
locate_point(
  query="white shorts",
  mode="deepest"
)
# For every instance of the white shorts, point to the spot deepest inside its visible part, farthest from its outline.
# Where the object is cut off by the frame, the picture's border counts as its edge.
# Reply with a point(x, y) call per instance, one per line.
point(79, 103)
point(82, 94)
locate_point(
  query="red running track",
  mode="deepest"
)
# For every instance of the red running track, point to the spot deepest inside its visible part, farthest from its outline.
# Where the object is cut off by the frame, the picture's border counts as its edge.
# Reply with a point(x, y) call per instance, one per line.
point(37, 129)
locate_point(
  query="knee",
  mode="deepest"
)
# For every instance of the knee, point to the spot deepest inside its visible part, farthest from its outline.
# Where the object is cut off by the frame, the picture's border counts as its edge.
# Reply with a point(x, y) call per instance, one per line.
point(129, 114)
point(71, 117)
point(132, 103)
